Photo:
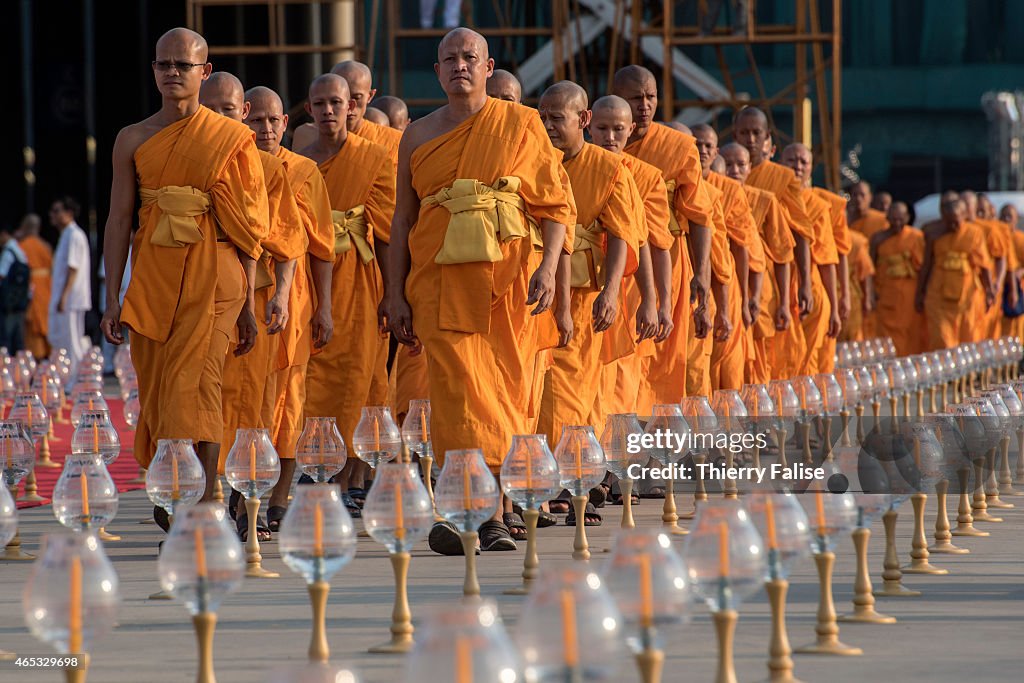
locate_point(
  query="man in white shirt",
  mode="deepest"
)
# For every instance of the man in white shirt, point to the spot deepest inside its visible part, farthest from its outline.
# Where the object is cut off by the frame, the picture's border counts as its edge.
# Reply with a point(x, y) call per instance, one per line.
point(71, 293)
point(14, 292)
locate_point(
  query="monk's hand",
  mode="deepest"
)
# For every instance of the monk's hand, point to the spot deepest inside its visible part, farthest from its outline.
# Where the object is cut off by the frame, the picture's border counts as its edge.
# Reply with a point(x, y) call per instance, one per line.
point(723, 326)
point(111, 324)
point(747, 319)
point(566, 329)
point(542, 289)
point(919, 302)
point(323, 326)
point(835, 325)
point(783, 318)
point(701, 322)
point(665, 323)
point(276, 314)
point(399, 316)
point(246, 331)
point(844, 306)
point(382, 318)
point(990, 297)
point(754, 306)
point(646, 320)
point(699, 287)
point(805, 299)
point(606, 307)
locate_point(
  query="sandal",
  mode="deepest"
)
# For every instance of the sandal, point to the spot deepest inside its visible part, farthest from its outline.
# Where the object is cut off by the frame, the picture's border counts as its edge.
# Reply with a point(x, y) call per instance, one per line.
point(233, 500)
point(358, 495)
point(599, 494)
point(444, 539)
point(275, 513)
point(545, 519)
point(654, 492)
point(591, 517)
point(494, 535)
point(354, 511)
point(560, 505)
point(516, 525)
point(242, 526)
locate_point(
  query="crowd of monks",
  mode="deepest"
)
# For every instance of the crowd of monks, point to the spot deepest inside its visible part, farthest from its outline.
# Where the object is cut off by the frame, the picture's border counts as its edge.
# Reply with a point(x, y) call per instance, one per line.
point(539, 268)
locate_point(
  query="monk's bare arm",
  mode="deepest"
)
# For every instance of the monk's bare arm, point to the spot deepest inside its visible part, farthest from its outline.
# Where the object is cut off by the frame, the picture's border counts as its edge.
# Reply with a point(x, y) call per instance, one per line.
point(989, 283)
point(661, 262)
point(828, 278)
point(699, 240)
point(246, 323)
point(563, 300)
point(925, 272)
point(277, 308)
point(802, 257)
point(117, 231)
point(723, 325)
point(606, 305)
point(542, 281)
point(783, 317)
point(323, 321)
point(741, 256)
point(399, 313)
point(755, 281)
point(647, 313)
point(869, 293)
point(843, 273)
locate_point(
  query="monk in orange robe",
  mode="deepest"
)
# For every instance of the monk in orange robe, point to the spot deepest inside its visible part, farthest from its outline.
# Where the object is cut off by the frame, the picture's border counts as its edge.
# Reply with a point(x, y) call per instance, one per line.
point(691, 224)
point(822, 322)
point(40, 261)
point(246, 385)
point(309, 323)
point(395, 109)
point(202, 217)
point(859, 214)
point(1008, 214)
point(898, 252)
point(1000, 247)
point(647, 295)
point(956, 263)
point(769, 292)
point(473, 288)
point(844, 244)
point(606, 248)
point(360, 185)
point(729, 356)
point(862, 288)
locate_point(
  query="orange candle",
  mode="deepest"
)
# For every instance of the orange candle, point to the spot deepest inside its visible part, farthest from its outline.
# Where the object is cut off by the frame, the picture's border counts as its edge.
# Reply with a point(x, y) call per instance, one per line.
point(323, 443)
point(423, 424)
point(399, 514)
point(579, 458)
point(529, 468)
point(769, 516)
point(252, 461)
point(75, 607)
point(569, 638)
point(467, 489)
point(820, 502)
point(200, 554)
point(803, 396)
point(646, 592)
point(463, 660)
point(28, 418)
point(723, 549)
point(318, 531)
point(175, 485)
point(95, 437)
point(376, 434)
point(90, 404)
point(917, 453)
point(85, 495)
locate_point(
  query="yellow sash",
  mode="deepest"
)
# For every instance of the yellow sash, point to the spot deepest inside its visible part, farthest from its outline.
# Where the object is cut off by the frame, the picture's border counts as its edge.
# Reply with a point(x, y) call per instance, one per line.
point(587, 258)
point(899, 266)
point(673, 224)
point(178, 205)
point(481, 218)
point(350, 227)
point(957, 261)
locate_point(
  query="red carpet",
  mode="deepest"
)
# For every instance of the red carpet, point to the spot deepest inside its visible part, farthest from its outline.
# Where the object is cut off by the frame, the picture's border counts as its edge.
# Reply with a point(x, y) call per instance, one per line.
point(123, 470)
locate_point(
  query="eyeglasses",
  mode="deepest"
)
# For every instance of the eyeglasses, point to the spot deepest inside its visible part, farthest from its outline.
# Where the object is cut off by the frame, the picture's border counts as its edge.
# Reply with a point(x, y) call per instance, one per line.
point(180, 67)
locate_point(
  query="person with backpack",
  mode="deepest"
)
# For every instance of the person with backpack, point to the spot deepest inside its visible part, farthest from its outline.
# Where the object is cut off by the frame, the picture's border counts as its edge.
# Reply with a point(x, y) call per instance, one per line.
point(71, 293)
point(14, 292)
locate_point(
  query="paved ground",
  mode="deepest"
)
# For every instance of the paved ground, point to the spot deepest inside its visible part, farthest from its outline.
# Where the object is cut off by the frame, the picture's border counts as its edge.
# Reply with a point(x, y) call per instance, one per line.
point(966, 627)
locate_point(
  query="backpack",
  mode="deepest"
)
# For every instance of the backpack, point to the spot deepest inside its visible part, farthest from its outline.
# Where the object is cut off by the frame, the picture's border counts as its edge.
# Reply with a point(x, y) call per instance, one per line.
point(14, 288)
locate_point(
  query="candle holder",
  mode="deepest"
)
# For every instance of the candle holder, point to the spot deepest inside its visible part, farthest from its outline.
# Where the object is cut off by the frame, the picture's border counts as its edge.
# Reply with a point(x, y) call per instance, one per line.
point(29, 410)
point(954, 449)
point(84, 497)
point(71, 598)
point(252, 468)
point(529, 476)
point(830, 515)
point(581, 467)
point(1016, 410)
point(1001, 453)
point(132, 410)
point(851, 392)
point(704, 431)
point(416, 435)
point(320, 452)
point(927, 461)
point(376, 438)
point(911, 385)
point(725, 559)
point(86, 395)
point(317, 539)
point(95, 434)
point(569, 629)
point(463, 643)
point(467, 496)
point(18, 458)
point(783, 526)
point(866, 382)
point(49, 394)
point(761, 409)
point(787, 407)
point(175, 480)
point(200, 564)
point(620, 443)
point(833, 402)
point(648, 581)
point(398, 514)
point(668, 421)
point(881, 389)
point(811, 405)
point(975, 440)
point(731, 414)
point(984, 460)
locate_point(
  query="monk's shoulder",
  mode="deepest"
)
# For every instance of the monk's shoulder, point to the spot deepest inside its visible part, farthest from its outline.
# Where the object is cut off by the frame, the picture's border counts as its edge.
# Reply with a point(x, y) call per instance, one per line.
point(367, 149)
point(423, 130)
point(273, 166)
point(933, 230)
point(647, 176)
point(299, 167)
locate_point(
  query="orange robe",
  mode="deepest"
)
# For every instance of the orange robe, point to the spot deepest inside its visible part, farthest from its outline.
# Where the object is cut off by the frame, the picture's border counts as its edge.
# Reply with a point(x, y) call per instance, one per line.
point(897, 262)
point(621, 378)
point(841, 235)
point(675, 154)
point(248, 385)
point(472, 318)
point(729, 358)
point(871, 222)
point(40, 261)
point(295, 340)
point(339, 377)
point(823, 252)
point(182, 302)
point(861, 268)
point(386, 137)
point(788, 346)
point(1014, 327)
point(953, 281)
point(777, 243)
point(606, 195)
point(1000, 245)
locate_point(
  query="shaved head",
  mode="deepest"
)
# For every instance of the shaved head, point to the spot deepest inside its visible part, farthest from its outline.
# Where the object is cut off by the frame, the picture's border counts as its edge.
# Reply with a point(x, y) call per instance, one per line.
point(266, 117)
point(353, 72)
point(970, 200)
point(173, 71)
point(1009, 214)
point(505, 86)
point(707, 145)
point(681, 127)
point(360, 87)
point(568, 92)
point(178, 37)
point(637, 86)
point(463, 35)
point(395, 109)
point(718, 165)
point(223, 93)
point(464, 65)
point(860, 197)
point(265, 98)
point(632, 74)
point(374, 115)
point(611, 103)
point(611, 123)
point(898, 215)
point(882, 201)
point(737, 161)
point(798, 157)
point(329, 104)
point(750, 129)
point(563, 111)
